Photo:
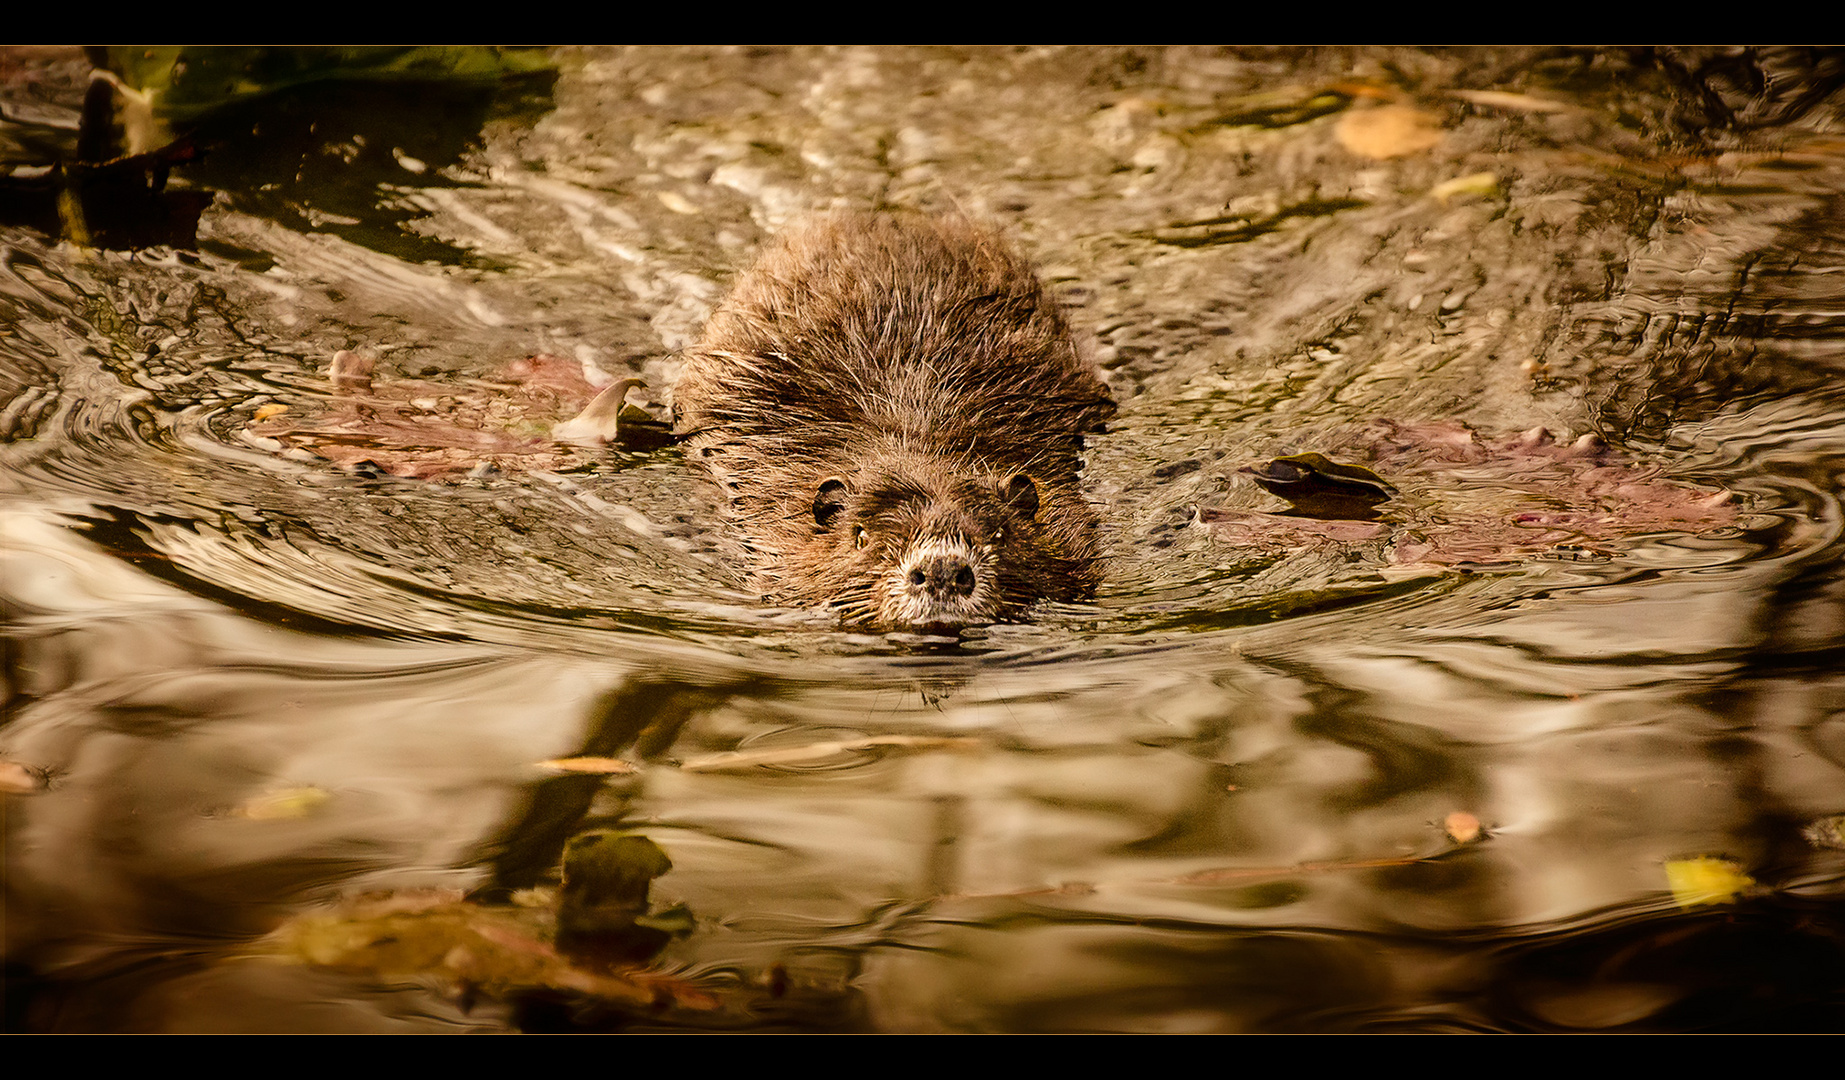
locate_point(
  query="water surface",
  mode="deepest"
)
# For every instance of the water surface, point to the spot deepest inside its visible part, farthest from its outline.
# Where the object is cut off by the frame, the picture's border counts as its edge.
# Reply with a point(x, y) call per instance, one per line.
point(248, 682)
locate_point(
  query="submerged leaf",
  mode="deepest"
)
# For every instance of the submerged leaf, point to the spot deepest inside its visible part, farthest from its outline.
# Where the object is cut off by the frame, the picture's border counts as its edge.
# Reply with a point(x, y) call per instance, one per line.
point(494, 950)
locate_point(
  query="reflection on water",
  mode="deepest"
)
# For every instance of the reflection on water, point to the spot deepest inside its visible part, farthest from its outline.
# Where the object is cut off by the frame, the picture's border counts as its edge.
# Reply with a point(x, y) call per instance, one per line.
point(247, 684)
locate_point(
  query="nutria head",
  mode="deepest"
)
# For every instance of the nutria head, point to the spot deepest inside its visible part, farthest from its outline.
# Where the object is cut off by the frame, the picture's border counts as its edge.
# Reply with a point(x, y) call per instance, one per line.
point(897, 412)
point(924, 548)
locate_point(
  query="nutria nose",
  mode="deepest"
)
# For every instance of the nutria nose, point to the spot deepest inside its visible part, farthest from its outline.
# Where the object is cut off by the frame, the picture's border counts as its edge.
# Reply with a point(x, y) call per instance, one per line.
point(943, 575)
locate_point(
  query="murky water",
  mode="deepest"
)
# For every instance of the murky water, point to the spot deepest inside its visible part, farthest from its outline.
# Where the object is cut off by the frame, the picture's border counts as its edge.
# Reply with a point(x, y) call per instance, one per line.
point(248, 683)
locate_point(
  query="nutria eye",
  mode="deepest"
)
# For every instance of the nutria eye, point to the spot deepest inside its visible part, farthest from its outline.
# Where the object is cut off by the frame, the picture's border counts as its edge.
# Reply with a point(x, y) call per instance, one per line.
point(860, 538)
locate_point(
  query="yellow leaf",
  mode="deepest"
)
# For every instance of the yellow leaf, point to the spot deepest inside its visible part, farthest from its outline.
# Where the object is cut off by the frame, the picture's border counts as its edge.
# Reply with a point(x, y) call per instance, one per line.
point(603, 765)
point(283, 803)
point(1706, 879)
point(1483, 184)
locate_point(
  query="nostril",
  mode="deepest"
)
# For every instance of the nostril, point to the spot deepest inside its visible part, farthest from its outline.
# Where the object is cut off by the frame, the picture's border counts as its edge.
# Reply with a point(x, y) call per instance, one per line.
point(949, 575)
point(943, 576)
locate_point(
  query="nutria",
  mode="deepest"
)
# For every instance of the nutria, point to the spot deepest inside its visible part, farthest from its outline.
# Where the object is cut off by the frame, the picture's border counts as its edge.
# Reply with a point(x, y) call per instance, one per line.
point(896, 410)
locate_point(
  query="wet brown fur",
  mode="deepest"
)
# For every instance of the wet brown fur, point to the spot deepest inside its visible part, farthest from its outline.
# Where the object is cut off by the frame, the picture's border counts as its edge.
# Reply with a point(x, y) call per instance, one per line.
point(916, 362)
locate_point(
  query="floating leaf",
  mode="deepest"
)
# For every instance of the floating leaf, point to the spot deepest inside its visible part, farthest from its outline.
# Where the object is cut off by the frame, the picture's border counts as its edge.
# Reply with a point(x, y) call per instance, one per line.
point(815, 752)
point(427, 430)
point(1707, 879)
point(283, 803)
point(351, 371)
point(1826, 832)
point(1483, 184)
point(16, 779)
point(603, 765)
point(611, 418)
point(1462, 827)
point(1389, 131)
point(1503, 99)
point(1479, 500)
point(1319, 487)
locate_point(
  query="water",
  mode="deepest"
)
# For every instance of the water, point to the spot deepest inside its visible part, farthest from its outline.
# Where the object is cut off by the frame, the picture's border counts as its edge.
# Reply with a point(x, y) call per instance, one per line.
point(248, 684)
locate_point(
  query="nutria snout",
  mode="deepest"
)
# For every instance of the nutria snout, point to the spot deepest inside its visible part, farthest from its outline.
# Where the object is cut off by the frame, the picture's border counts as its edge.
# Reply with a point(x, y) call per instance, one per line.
point(897, 411)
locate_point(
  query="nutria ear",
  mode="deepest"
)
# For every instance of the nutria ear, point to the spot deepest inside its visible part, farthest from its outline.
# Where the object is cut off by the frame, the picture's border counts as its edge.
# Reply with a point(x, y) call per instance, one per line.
point(829, 501)
point(1020, 492)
